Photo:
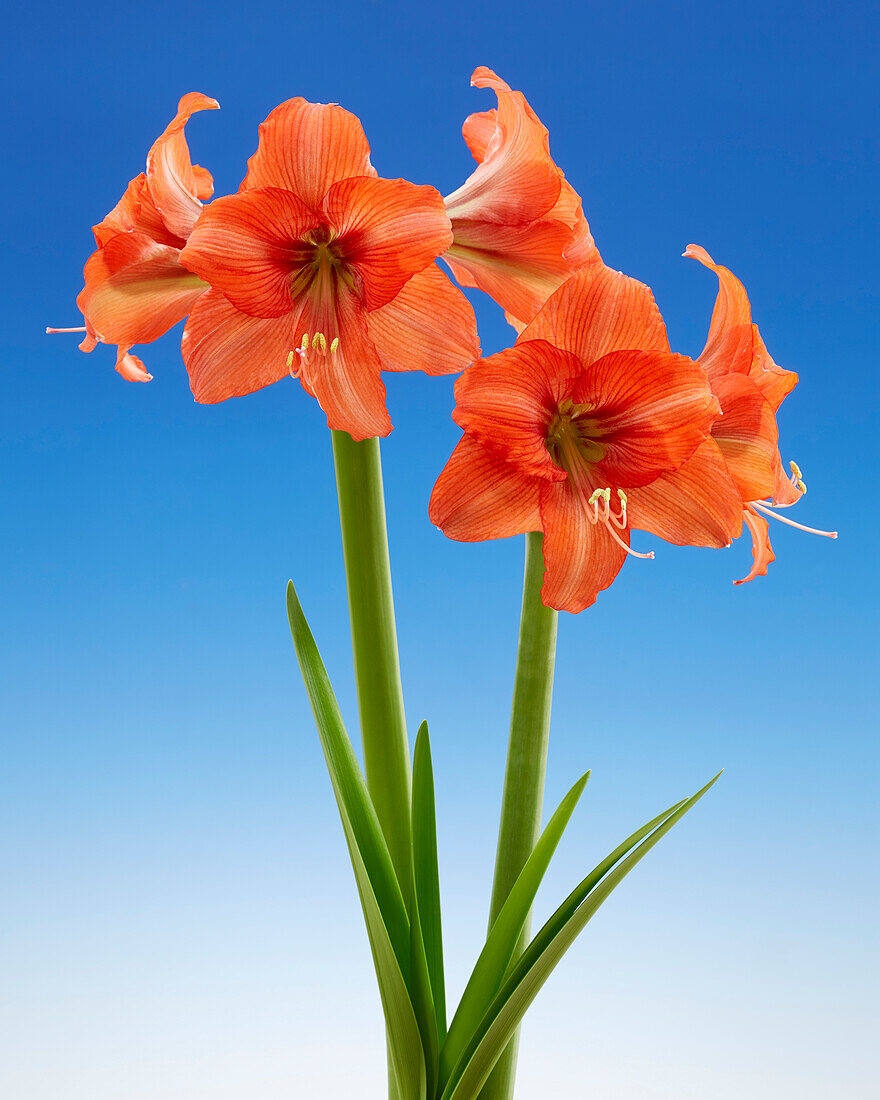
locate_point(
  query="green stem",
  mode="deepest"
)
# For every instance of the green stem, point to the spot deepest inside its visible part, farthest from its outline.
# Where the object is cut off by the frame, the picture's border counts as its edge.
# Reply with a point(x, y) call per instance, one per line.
point(526, 767)
point(374, 642)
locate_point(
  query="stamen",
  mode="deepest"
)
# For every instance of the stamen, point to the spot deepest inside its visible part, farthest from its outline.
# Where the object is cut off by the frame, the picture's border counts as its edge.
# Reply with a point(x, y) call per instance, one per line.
point(305, 341)
point(796, 470)
point(51, 331)
point(319, 340)
point(620, 542)
point(791, 523)
point(334, 345)
point(289, 360)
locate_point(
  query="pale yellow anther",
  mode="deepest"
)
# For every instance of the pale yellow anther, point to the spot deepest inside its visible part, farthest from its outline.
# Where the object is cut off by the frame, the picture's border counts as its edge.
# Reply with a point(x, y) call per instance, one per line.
point(305, 341)
point(622, 496)
point(289, 360)
point(795, 469)
point(319, 340)
point(334, 346)
point(800, 484)
point(596, 494)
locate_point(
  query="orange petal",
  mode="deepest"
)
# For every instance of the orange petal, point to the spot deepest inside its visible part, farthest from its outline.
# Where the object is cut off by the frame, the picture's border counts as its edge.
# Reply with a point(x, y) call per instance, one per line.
point(130, 367)
point(519, 266)
point(204, 182)
point(306, 147)
point(746, 434)
point(480, 496)
point(228, 353)
point(124, 214)
point(581, 559)
point(597, 311)
point(247, 245)
point(516, 180)
point(762, 551)
point(136, 290)
point(729, 345)
point(478, 130)
point(388, 231)
point(429, 326)
point(774, 382)
point(136, 210)
point(508, 401)
point(340, 367)
point(696, 505)
point(174, 186)
point(649, 410)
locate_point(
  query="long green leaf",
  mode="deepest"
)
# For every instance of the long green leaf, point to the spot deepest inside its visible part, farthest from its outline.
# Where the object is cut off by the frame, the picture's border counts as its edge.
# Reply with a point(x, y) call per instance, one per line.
point(540, 958)
point(488, 973)
point(404, 1040)
point(385, 913)
point(426, 875)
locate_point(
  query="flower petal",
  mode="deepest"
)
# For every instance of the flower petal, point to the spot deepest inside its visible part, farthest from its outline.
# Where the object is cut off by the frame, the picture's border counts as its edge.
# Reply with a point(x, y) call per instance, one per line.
point(136, 210)
point(247, 245)
point(388, 231)
point(581, 559)
point(649, 410)
point(478, 130)
point(519, 266)
point(229, 353)
point(429, 326)
point(774, 382)
point(136, 289)
point(174, 186)
point(306, 147)
point(480, 496)
point(597, 311)
point(762, 551)
point(747, 435)
point(130, 367)
point(696, 505)
point(729, 345)
point(516, 180)
point(508, 401)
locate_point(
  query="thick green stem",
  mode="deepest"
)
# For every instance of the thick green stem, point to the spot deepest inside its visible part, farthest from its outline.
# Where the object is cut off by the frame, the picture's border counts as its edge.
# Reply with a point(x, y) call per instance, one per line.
point(526, 767)
point(374, 642)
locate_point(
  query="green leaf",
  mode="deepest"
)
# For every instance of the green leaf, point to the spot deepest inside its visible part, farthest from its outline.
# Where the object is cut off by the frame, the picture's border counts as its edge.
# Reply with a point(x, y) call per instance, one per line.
point(385, 913)
point(541, 956)
point(404, 1040)
point(425, 919)
point(426, 871)
point(488, 973)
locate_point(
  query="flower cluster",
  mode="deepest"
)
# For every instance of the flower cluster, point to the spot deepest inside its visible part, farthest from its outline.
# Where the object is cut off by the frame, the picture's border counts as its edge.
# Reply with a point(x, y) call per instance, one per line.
point(589, 427)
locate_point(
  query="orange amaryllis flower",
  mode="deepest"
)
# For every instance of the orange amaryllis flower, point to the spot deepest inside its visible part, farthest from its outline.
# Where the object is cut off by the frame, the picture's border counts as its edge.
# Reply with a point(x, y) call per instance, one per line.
point(322, 270)
point(519, 229)
point(750, 387)
point(135, 287)
point(569, 431)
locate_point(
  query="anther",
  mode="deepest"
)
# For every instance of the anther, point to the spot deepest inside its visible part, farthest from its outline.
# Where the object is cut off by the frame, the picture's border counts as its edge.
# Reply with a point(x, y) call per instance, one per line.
point(796, 470)
point(334, 345)
point(305, 341)
point(319, 340)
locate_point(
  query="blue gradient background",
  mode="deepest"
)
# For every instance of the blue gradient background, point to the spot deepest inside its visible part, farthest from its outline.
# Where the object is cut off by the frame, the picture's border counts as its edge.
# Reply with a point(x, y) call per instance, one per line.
point(179, 920)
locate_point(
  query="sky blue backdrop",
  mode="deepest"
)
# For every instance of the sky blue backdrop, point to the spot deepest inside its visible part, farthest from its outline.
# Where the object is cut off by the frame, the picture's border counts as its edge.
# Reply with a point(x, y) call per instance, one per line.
point(181, 922)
